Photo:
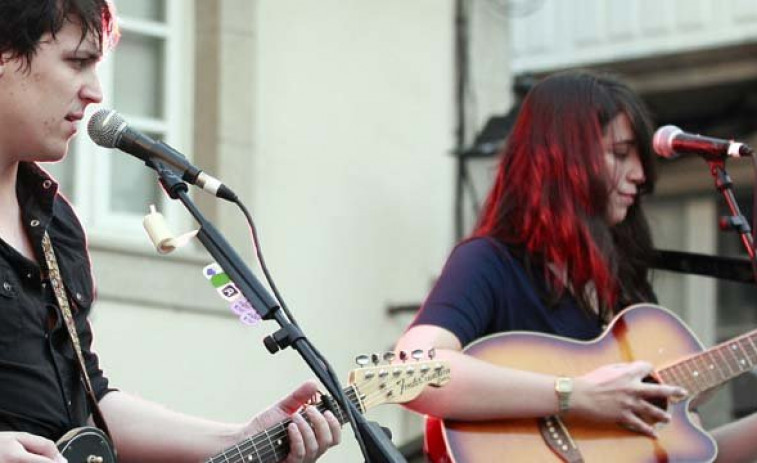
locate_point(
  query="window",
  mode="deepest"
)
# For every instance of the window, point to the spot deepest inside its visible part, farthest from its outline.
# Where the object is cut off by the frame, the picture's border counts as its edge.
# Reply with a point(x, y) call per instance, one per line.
point(147, 79)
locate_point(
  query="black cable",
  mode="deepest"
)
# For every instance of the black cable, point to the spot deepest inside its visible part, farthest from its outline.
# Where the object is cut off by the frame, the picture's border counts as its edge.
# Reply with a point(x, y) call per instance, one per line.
point(261, 260)
point(461, 85)
point(474, 200)
point(336, 387)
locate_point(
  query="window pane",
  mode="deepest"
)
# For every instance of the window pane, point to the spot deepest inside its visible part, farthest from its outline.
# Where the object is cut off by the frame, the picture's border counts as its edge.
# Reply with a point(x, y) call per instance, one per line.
point(133, 186)
point(138, 86)
point(154, 10)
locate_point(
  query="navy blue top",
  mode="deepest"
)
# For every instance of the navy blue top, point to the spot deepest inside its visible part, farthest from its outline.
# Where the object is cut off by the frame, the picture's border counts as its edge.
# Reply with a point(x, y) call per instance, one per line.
point(485, 289)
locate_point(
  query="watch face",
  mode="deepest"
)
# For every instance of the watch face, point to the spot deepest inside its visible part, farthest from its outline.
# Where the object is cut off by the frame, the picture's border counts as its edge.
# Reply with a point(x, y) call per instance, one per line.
point(564, 385)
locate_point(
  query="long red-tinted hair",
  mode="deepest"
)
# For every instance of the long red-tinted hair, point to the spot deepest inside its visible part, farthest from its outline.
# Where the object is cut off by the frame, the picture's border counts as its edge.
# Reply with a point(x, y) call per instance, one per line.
point(551, 191)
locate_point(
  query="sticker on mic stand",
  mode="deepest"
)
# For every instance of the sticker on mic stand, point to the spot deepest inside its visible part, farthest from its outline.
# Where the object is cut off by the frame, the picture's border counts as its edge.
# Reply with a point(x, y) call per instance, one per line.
point(226, 288)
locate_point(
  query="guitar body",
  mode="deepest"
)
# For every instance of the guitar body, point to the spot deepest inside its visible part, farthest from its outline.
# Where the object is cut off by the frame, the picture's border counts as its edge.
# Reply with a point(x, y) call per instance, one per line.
point(86, 445)
point(641, 332)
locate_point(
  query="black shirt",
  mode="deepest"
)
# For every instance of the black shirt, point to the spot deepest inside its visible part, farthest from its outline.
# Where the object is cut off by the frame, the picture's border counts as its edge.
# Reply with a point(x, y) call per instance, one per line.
point(40, 388)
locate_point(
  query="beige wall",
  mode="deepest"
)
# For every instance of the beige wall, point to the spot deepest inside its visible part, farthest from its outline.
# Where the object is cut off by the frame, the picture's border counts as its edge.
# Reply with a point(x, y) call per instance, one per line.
point(334, 122)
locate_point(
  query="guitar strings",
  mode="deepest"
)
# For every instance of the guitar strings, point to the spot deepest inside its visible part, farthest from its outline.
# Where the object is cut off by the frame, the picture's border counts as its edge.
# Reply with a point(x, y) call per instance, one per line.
point(271, 439)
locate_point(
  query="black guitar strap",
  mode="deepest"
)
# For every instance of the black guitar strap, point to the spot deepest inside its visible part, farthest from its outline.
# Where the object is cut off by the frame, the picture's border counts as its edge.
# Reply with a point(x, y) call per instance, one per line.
point(60, 294)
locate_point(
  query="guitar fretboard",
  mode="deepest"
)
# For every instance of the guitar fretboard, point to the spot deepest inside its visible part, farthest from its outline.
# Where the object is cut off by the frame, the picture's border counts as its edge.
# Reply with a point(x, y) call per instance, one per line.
point(272, 444)
point(714, 366)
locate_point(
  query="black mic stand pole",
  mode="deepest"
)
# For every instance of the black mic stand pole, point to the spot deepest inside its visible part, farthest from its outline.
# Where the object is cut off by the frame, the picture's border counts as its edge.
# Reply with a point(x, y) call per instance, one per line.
point(736, 221)
point(375, 444)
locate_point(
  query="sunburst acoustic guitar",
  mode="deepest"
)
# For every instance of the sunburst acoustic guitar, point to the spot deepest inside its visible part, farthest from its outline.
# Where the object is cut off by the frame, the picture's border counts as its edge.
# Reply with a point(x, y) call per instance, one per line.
point(640, 332)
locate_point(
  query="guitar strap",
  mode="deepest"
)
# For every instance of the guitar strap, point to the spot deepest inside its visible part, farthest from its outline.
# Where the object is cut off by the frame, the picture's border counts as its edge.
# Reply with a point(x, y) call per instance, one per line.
point(60, 294)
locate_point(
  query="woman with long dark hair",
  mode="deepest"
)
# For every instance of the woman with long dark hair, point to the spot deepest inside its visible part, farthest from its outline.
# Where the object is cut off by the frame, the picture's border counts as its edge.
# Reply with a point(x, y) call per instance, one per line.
point(561, 247)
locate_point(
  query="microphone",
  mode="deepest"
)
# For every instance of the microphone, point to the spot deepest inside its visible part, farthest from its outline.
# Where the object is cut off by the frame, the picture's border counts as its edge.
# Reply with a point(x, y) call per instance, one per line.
point(107, 128)
point(670, 141)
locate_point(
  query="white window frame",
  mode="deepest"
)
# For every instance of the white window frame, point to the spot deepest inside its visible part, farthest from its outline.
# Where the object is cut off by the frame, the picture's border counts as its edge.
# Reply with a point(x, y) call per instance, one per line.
point(92, 169)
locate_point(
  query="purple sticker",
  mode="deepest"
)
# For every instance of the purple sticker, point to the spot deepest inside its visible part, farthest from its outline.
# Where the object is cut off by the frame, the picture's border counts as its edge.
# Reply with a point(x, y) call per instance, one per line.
point(241, 306)
point(250, 318)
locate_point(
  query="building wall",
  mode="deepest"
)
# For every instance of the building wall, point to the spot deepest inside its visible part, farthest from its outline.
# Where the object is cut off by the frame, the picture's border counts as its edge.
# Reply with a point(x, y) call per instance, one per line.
point(333, 121)
point(560, 34)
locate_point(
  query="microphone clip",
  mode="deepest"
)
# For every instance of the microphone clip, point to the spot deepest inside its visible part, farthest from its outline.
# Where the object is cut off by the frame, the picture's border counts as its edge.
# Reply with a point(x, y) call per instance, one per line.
point(168, 178)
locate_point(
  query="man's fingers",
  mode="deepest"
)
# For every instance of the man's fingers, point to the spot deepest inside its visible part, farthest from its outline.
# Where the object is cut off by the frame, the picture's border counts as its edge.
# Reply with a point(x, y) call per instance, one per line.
point(298, 397)
point(335, 426)
point(39, 446)
point(296, 444)
point(308, 436)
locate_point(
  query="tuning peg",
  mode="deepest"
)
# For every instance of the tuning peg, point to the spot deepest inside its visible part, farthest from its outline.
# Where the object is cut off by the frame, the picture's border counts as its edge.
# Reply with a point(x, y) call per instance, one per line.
point(417, 354)
point(403, 355)
point(375, 359)
point(389, 356)
point(432, 353)
point(362, 360)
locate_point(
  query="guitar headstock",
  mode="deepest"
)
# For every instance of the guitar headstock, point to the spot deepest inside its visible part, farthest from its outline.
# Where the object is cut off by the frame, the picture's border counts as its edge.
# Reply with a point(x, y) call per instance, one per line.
point(396, 381)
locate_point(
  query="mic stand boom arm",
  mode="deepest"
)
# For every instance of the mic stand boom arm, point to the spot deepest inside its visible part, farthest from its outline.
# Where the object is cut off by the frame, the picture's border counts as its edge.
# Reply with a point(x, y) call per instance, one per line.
point(375, 444)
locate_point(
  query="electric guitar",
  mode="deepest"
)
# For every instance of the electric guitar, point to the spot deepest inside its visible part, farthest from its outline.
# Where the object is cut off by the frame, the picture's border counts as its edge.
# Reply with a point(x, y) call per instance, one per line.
point(86, 445)
point(369, 386)
point(640, 332)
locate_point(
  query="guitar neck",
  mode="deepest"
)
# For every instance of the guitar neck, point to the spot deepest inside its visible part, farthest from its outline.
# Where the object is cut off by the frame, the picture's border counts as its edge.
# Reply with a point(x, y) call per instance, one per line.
point(272, 445)
point(714, 366)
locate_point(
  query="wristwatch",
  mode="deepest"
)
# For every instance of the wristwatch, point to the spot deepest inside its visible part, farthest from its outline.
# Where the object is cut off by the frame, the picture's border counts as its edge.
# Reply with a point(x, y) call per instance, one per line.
point(563, 388)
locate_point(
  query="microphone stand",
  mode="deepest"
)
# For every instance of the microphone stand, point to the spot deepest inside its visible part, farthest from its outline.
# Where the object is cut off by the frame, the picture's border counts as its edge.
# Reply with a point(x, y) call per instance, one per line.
point(736, 221)
point(374, 442)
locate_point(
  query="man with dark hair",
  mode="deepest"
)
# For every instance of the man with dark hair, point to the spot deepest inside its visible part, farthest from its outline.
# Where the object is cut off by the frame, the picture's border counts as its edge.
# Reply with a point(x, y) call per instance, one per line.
point(48, 53)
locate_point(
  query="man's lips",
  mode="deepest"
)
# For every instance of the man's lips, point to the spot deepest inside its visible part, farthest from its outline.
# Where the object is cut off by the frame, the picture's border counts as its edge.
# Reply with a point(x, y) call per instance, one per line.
point(74, 117)
point(73, 120)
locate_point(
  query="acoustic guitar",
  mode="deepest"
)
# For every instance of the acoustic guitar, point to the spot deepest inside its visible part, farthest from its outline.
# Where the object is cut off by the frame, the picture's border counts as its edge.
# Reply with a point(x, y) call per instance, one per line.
point(369, 386)
point(640, 332)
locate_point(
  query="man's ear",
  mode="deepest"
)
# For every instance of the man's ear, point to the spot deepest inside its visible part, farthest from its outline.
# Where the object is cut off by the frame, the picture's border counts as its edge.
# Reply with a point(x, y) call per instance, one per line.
point(3, 63)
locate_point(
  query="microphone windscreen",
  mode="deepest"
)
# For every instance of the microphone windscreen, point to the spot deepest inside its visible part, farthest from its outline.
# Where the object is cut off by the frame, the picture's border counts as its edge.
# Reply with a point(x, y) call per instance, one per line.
point(663, 141)
point(105, 127)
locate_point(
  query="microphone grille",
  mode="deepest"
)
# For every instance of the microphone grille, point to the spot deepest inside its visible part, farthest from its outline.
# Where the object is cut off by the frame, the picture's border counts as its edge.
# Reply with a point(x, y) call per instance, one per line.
point(662, 142)
point(105, 127)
